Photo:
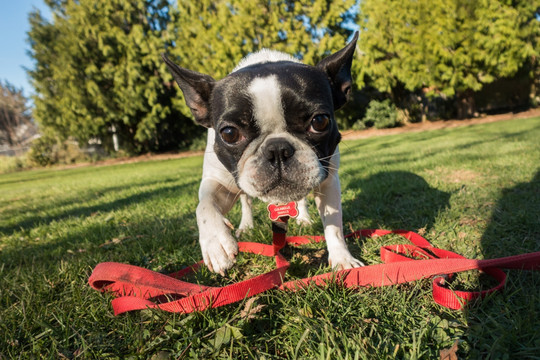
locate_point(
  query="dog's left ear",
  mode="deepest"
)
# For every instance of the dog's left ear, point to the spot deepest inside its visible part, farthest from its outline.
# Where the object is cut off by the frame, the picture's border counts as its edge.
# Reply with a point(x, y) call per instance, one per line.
point(338, 68)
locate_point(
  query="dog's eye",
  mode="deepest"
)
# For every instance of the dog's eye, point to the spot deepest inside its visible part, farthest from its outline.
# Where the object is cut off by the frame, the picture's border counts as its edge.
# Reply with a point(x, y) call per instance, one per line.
point(319, 123)
point(230, 135)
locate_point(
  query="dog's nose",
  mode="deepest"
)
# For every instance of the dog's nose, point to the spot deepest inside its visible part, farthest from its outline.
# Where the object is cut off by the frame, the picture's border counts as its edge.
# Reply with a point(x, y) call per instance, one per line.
point(278, 151)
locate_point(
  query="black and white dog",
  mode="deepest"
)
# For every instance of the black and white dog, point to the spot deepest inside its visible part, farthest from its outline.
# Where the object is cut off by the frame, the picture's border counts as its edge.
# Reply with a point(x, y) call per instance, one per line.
point(271, 135)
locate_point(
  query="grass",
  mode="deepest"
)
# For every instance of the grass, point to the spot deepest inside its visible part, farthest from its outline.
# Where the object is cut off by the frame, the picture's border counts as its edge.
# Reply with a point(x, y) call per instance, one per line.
point(474, 190)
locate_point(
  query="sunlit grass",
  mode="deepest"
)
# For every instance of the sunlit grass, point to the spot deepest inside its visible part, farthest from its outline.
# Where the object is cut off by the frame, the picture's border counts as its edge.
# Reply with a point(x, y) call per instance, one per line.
point(472, 190)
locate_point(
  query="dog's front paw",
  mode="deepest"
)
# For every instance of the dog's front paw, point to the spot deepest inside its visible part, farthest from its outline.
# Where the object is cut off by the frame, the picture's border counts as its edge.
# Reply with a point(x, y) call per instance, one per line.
point(244, 226)
point(242, 229)
point(219, 252)
point(303, 220)
point(303, 217)
point(343, 260)
point(246, 222)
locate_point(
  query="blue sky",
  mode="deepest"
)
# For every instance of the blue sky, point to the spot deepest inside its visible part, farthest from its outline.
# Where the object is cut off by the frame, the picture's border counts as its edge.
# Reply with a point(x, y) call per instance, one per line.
point(13, 44)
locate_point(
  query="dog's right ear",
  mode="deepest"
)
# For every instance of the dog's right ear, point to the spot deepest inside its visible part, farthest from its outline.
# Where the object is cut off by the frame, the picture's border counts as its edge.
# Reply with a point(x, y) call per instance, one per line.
point(197, 89)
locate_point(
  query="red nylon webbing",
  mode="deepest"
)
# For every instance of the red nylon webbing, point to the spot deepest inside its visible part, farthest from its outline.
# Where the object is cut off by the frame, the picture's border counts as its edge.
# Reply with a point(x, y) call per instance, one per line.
point(138, 288)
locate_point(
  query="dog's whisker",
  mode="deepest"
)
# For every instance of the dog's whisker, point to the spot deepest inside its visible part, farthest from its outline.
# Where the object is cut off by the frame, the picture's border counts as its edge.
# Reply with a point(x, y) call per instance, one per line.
point(345, 145)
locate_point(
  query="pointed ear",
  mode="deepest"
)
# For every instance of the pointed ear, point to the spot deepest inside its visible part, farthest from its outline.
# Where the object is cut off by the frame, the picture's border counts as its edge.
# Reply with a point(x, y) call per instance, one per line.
point(197, 89)
point(338, 68)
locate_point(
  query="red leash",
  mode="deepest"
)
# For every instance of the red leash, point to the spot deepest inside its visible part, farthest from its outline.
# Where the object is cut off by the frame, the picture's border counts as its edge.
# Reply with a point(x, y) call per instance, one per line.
point(138, 288)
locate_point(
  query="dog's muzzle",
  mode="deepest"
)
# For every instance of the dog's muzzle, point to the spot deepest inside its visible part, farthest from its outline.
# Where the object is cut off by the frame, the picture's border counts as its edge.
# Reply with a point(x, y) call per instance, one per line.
point(282, 169)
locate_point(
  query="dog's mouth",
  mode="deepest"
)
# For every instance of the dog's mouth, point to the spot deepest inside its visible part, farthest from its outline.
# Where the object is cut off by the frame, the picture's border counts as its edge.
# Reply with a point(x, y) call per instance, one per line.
point(290, 183)
point(282, 191)
point(279, 169)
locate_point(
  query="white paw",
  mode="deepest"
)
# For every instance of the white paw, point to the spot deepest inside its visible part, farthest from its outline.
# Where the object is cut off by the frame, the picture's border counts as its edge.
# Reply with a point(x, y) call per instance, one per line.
point(304, 220)
point(303, 217)
point(343, 260)
point(219, 251)
point(246, 222)
point(242, 229)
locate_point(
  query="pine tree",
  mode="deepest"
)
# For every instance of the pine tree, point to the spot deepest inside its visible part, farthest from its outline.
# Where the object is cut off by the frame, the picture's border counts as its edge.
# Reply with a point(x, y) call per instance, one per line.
point(98, 73)
point(213, 36)
point(98, 70)
point(446, 47)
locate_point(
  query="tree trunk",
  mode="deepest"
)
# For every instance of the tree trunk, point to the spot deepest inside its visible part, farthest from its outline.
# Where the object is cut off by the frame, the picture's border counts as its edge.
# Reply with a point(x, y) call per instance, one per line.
point(116, 146)
point(465, 104)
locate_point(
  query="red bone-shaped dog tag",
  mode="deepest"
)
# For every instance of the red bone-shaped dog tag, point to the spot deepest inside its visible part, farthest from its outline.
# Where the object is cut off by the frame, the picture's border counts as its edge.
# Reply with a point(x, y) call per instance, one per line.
point(277, 211)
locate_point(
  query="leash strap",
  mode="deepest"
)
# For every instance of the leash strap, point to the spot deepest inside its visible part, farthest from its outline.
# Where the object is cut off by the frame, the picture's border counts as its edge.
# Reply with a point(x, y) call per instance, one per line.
point(137, 288)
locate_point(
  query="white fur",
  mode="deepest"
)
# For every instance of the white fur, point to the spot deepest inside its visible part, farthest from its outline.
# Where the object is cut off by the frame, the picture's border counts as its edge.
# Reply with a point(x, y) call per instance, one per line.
point(217, 194)
point(218, 191)
point(247, 214)
point(267, 107)
point(303, 213)
point(328, 200)
point(308, 171)
point(263, 56)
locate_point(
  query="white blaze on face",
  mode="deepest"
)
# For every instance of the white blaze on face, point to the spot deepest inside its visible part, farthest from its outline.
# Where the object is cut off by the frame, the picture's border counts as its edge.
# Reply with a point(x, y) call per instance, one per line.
point(255, 175)
point(267, 107)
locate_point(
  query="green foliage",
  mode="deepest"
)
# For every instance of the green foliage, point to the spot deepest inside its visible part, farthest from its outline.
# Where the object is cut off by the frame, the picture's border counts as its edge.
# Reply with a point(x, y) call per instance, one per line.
point(211, 37)
point(223, 32)
point(98, 68)
point(13, 163)
point(47, 150)
point(42, 152)
point(380, 114)
point(447, 48)
point(98, 71)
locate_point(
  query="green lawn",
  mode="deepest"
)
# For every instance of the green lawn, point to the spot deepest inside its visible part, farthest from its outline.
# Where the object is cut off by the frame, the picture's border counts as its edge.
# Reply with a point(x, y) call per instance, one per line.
point(474, 190)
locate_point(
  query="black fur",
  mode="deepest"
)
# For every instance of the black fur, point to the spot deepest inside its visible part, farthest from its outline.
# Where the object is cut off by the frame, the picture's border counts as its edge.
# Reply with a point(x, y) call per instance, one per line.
point(306, 91)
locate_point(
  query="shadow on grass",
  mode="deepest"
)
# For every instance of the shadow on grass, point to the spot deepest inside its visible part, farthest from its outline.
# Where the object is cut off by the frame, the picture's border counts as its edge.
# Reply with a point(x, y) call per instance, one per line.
point(395, 200)
point(137, 241)
point(52, 212)
point(512, 317)
point(111, 231)
point(41, 174)
point(514, 226)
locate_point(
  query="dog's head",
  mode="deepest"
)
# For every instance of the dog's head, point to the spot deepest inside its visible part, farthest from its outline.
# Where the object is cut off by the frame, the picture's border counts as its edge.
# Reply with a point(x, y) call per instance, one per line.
point(273, 119)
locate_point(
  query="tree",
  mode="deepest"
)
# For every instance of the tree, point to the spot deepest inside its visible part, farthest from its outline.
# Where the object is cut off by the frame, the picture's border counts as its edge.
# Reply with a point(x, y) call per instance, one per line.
point(98, 70)
point(212, 36)
point(98, 73)
point(529, 29)
point(15, 119)
point(446, 47)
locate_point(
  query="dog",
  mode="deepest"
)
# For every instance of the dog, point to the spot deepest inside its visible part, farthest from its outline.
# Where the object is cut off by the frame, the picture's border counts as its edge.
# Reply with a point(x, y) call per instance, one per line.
point(272, 135)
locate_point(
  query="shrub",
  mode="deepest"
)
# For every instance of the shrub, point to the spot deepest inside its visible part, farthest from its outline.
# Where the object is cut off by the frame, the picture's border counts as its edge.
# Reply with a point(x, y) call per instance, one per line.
point(414, 112)
point(49, 151)
point(359, 125)
point(199, 143)
point(380, 114)
point(12, 163)
point(42, 152)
